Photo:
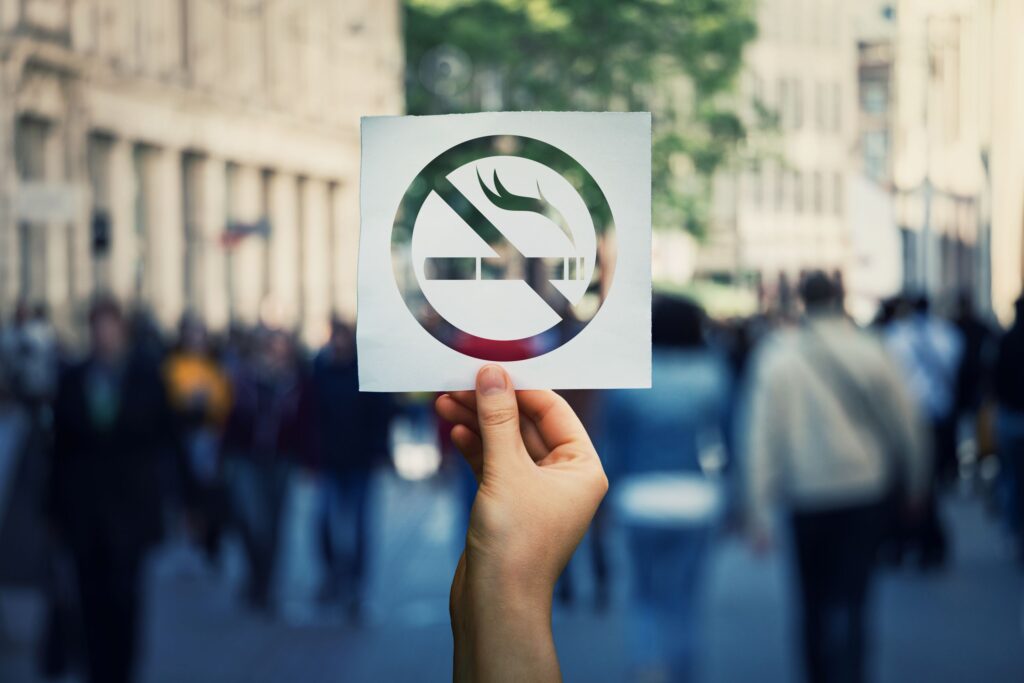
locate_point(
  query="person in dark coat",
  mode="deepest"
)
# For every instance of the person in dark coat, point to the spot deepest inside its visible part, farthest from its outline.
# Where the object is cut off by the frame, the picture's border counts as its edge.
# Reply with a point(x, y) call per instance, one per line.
point(267, 431)
point(111, 423)
point(974, 374)
point(1009, 393)
point(353, 431)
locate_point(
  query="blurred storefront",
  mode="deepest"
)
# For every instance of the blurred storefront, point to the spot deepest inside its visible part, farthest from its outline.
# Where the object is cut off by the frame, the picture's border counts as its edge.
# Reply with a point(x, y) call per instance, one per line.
point(189, 154)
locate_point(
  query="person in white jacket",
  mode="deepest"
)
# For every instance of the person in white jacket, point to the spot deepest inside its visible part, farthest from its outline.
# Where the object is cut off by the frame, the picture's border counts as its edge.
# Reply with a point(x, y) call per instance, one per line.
point(833, 437)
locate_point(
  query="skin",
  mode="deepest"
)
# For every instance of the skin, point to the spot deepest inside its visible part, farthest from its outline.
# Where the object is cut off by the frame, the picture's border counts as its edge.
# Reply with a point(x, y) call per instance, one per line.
point(540, 482)
point(109, 338)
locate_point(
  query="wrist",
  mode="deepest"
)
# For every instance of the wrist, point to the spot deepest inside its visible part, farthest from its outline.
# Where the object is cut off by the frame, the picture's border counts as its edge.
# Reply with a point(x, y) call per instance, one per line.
point(498, 624)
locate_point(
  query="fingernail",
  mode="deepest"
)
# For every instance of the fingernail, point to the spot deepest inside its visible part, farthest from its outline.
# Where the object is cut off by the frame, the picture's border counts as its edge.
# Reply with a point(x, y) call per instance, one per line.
point(491, 380)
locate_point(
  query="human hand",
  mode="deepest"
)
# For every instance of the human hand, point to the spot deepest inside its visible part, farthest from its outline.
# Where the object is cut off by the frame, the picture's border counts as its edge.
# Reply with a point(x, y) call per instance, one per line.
point(540, 482)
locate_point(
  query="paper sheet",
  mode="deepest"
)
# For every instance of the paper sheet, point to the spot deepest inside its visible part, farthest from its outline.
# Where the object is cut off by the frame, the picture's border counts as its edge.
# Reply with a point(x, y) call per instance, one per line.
point(517, 238)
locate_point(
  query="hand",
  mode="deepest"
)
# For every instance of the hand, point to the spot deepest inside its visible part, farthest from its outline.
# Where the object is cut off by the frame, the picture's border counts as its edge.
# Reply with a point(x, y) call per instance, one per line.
point(540, 484)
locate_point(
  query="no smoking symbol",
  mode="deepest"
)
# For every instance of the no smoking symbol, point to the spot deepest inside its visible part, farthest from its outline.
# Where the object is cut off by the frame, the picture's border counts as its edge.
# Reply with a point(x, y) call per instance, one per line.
point(495, 247)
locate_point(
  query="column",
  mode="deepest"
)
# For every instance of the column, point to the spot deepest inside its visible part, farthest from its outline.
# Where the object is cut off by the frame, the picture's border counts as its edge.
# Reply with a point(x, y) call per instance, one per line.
point(213, 215)
point(1007, 167)
point(165, 236)
point(346, 247)
point(284, 249)
point(247, 258)
point(124, 249)
point(56, 270)
point(315, 262)
point(8, 238)
point(80, 257)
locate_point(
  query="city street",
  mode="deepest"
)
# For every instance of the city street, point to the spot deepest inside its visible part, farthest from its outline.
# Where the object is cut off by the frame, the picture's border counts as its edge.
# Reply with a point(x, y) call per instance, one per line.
point(199, 632)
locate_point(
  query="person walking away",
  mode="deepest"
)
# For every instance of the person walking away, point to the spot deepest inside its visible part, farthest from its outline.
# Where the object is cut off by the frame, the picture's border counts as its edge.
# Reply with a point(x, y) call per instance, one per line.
point(832, 434)
point(974, 373)
point(1009, 393)
point(928, 350)
point(111, 421)
point(200, 395)
point(29, 348)
point(652, 452)
point(353, 439)
point(265, 430)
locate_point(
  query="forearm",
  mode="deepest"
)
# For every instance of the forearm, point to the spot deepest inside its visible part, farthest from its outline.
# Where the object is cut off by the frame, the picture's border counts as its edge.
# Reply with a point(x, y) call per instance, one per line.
point(502, 632)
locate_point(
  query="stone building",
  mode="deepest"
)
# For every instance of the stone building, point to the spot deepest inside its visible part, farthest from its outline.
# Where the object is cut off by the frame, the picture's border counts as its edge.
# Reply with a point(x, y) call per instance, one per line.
point(194, 155)
point(786, 212)
point(959, 148)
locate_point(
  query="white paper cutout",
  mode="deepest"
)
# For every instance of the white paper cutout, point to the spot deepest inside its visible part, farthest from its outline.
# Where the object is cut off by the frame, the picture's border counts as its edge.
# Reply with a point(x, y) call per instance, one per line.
point(488, 237)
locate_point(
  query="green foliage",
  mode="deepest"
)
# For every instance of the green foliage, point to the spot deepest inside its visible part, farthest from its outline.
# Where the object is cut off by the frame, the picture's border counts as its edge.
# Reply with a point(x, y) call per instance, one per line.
point(677, 58)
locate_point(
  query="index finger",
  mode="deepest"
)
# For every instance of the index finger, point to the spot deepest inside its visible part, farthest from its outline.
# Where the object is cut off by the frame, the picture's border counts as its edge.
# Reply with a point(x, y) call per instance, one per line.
point(554, 417)
point(560, 423)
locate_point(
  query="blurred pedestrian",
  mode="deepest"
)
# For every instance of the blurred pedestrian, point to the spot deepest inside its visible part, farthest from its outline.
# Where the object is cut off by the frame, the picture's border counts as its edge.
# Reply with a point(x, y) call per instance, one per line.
point(200, 395)
point(928, 351)
point(973, 380)
point(1009, 393)
point(29, 349)
point(654, 447)
point(111, 421)
point(353, 439)
point(267, 429)
point(832, 436)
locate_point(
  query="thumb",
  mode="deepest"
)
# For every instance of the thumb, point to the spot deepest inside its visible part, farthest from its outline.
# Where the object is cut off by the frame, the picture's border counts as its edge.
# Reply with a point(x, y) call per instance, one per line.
point(498, 416)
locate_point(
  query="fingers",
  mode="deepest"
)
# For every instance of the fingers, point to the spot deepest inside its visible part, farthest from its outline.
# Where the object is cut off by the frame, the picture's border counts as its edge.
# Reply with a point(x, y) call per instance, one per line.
point(454, 412)
point(556, 422)
point(451, 410)
point(498, 417)
point(469, 444)
point(547, 420)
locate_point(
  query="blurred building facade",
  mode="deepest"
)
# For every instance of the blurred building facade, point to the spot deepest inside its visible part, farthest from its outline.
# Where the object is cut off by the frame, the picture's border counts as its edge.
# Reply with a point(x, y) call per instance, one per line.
point(1003, 152)
point(786, 211)
point(189, 154)
point(939, 123)
point(898, 160)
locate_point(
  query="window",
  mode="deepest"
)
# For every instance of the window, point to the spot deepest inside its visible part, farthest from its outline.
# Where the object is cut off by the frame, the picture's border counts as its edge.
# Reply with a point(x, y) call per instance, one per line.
point(780, 189)
point(837, 107)
point(818, 190)
point(782, 105)
point(798, 104)
point(798, 192)
point(756, 184)
point(874, 98)
point(820, 117)
point(875, 148)
point(838, 187)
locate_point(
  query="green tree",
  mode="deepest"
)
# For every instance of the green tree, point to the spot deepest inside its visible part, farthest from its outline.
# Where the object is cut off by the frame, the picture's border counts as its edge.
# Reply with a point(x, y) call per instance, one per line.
point(678, 58)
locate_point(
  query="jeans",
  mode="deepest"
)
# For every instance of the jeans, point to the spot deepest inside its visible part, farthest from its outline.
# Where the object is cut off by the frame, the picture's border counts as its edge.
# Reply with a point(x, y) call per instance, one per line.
point(667, 567)
point(836, 552)
point(256, 489)
point(345, 532)
point(1010, 440)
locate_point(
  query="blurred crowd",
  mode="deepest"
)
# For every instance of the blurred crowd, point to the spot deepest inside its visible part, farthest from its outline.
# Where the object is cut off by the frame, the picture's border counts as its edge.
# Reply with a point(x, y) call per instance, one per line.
point(135, 443)
point(796, 423)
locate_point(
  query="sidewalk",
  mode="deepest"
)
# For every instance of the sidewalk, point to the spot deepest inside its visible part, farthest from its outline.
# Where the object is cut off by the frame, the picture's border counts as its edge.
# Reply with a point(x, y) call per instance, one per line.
point(963, 625)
